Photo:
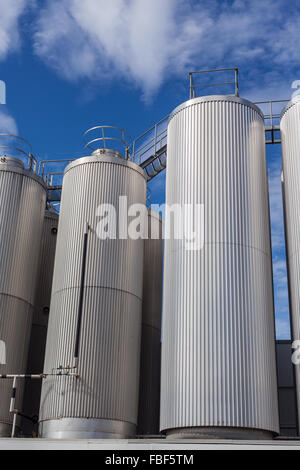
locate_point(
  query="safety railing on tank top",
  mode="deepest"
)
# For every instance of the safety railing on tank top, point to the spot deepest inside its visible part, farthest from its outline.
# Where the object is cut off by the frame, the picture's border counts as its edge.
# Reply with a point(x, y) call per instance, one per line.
point(100, 137)
point(13, 146)
point(193, 86)
point(109, 137)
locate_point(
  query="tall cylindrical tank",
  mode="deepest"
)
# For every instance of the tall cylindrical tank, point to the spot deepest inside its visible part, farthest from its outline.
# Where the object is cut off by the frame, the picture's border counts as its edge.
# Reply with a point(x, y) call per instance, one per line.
point(36, 355)
point(290, 137)
point(149, 399)
point(103, 401)
point(218, 339)
point(23, 199)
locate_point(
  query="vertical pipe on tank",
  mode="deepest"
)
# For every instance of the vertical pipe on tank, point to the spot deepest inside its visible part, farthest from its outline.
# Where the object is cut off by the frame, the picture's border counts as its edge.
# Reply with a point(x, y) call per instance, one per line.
point(23, 199)
point(37, 345)
point(218, 337)
point(290, 138)
point(149, 398)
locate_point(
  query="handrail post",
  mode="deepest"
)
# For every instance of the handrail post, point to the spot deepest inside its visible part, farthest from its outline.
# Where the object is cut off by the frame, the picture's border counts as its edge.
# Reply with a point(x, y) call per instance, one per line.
point(271, 113)
point(236, 73)
point(191, 81)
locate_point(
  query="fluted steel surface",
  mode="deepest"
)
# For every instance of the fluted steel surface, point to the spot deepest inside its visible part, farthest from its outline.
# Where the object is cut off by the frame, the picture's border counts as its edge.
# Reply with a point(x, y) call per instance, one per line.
point(290, 138)
point(149, 398)
point(107, 391)
point(23, 199)
point(218, 343)
point(37, 344)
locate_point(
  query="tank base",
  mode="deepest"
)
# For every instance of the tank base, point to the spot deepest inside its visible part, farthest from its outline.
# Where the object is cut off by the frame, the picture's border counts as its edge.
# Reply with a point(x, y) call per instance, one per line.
point(219, 433)
point(82, 428)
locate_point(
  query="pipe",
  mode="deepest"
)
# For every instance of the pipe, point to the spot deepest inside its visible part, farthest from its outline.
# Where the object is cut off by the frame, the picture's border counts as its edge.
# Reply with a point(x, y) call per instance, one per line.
point(21, 376)
point(14, 391)
point(13, 395)
point(37, 376)
point(81, 293)
point(12, 406)
point(13, 431)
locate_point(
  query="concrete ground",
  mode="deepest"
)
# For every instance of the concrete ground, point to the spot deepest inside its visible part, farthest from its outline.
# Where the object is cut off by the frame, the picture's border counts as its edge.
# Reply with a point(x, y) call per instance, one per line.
point(146, 444)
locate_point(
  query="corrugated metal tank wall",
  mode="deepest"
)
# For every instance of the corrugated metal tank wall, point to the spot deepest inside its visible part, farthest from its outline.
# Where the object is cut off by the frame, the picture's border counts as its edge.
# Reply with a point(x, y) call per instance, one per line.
point(290, 137)
point(36, 355)
point(23, 199)
point(103, 402)
point(149, 398)
point(218, 342)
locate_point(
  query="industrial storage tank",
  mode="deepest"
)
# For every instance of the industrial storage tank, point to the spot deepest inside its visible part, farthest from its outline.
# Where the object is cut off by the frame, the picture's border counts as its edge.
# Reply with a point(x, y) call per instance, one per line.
point(290, 137)
point(23, 200)
point(37, 344)
point(218, 336)
point(103, 400)
point(149, 398)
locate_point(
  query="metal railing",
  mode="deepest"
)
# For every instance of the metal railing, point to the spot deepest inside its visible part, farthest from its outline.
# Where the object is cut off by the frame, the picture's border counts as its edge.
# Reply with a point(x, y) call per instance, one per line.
point(193, 86)
point(52, 172)
point(149, 150)
point(16, 147)
point(102, 140)
point(272, 118)
point(47, 175)
point(150, 142)
point(270, 114)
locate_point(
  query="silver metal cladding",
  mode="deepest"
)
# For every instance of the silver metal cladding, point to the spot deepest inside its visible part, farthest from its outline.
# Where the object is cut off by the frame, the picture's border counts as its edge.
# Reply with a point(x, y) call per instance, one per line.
point(149, 398)
point(218, 341)
point(103, 401)
point(23, 199)
point(290, 137)
point(37, 345)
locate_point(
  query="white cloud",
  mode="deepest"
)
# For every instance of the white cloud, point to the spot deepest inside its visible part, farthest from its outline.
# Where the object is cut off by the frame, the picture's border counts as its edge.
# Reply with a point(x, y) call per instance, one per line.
point(279, 270)
point(278, 248)
point(287, 42)
point(147, 42)
point(94, 38)
point(7, 123)
point(276, 208)
point(10, 12)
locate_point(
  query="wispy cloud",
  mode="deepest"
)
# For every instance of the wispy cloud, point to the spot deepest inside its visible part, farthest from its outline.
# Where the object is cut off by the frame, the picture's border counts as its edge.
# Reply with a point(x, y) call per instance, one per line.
point(10, 12)
point(276, 207)
point(7, 123)
point(147, 42)
point(278, 248)
point(100, 39)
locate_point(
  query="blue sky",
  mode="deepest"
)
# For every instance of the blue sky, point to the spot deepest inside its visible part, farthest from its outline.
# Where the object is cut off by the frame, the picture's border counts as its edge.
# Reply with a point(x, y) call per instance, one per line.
point(72, 64)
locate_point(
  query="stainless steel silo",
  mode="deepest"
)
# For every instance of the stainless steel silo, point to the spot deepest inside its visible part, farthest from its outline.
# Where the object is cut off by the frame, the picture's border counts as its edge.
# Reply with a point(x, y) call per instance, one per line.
point(290, 137)
point(218, 344)
point(103, 400)
point(149, 398)
point(37, 345)
point(23, 199)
